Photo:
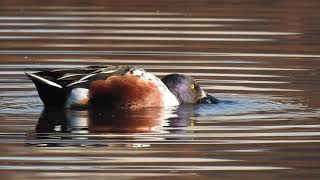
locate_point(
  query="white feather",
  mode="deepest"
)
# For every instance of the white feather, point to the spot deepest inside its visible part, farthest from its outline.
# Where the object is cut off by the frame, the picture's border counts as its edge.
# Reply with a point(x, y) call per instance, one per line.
point(77, 82)
point(76, 97)
point(46, 81)
point(86, 77)
point(68, 76)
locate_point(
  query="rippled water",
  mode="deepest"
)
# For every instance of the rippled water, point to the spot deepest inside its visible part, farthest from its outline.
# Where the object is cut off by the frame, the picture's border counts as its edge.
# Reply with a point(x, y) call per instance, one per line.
point(260, 57)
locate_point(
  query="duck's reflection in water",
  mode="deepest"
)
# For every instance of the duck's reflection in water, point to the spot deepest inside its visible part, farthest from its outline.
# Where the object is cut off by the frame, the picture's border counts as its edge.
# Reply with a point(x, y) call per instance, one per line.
point(61, 127)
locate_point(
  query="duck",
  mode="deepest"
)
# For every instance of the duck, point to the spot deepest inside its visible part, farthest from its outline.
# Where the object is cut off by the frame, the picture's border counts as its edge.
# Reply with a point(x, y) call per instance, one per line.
point(116, 86)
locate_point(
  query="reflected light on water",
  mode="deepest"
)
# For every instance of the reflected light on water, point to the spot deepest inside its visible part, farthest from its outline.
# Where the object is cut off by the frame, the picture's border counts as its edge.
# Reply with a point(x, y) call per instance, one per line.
point(259, 58)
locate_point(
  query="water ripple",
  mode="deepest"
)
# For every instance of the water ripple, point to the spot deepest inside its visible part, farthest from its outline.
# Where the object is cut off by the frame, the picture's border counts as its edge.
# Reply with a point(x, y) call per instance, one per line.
point(259, 59)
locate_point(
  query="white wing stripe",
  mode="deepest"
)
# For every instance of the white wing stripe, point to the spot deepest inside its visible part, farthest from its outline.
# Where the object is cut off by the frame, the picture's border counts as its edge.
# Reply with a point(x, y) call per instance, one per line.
point(69, 75)
point(87, 77)
point(77, 82)
point(46, 81)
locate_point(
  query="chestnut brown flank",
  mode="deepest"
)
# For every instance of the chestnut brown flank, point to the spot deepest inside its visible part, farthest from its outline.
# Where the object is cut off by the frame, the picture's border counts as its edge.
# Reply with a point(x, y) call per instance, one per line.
point(128, 91)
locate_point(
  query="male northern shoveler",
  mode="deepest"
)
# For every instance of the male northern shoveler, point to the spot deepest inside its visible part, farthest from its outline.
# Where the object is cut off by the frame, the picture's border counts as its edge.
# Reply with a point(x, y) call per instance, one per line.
point(126, 87)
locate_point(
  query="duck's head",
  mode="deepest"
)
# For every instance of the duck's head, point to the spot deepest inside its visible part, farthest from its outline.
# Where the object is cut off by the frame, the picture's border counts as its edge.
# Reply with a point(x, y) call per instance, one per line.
point(187, 90)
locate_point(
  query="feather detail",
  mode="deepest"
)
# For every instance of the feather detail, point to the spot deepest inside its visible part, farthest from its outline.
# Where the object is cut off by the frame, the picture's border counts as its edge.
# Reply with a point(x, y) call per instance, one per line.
point(36, 78)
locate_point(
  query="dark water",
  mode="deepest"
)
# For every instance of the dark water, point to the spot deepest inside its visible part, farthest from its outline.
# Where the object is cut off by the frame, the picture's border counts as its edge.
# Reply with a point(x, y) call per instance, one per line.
point(261, 57)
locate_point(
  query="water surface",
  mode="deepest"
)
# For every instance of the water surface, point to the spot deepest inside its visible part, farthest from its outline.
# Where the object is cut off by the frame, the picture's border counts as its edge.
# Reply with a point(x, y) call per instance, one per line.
point(260, 57)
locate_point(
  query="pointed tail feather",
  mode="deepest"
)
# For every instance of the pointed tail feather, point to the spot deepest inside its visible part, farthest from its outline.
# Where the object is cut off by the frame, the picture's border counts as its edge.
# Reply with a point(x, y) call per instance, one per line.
point(38, 79)
point(51, 93)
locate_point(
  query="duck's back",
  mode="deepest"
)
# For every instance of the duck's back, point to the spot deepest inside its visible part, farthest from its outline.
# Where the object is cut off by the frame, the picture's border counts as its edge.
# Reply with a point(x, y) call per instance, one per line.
point(111, 86)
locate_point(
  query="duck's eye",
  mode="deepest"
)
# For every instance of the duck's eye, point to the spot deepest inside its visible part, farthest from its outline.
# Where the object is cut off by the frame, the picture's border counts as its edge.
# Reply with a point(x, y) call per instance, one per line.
point(192, 86)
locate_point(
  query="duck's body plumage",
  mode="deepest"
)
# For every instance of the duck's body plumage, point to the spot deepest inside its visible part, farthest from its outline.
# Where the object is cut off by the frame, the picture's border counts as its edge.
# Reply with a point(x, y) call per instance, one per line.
point(110, 86)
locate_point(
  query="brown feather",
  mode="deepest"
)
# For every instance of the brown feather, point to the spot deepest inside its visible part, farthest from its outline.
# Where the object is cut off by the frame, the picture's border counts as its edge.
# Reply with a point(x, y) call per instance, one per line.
point(128, 91)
